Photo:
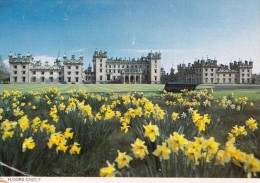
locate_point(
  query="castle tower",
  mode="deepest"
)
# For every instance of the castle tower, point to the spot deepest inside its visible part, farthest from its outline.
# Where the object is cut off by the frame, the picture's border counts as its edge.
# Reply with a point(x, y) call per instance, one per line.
point(19, 68)
point(73, 69)
point(99, 66)
point(154, 65)
point(244, 72)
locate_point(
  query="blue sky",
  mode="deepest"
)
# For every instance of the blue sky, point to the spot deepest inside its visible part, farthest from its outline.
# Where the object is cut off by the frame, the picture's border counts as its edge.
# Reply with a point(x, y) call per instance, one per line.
point(183, 30)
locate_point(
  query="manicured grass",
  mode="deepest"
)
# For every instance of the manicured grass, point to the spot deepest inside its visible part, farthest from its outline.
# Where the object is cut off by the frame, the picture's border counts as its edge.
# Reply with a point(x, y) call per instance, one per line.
point(252, 94)
point(91, 87)
point(150, 90)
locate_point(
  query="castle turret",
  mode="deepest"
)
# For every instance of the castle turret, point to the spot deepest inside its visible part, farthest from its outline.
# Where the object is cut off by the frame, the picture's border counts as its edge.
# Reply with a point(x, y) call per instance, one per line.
point(99, 66)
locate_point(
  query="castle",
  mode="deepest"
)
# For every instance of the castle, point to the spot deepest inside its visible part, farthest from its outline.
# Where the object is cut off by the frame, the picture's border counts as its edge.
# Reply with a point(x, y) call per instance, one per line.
point(147, 69)
point(24, 69)
point(209, 72)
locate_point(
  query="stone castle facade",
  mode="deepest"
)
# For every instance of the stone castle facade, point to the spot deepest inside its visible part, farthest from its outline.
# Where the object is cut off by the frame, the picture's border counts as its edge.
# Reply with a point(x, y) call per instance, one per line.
point(147, 69)
point(209, 72)
point(24, 69)
point(118, 70)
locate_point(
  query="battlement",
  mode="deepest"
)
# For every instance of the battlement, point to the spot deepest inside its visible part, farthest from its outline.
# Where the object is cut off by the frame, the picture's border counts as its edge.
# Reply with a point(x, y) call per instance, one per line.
point(73, 60)
point(148, 58)
point(100, 54)
point(156, 55)
point(206, 63)
point(241, 65)
point(18, 59)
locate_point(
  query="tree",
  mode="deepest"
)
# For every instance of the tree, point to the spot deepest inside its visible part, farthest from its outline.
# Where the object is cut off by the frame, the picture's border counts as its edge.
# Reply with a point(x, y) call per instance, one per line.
point(4, 74)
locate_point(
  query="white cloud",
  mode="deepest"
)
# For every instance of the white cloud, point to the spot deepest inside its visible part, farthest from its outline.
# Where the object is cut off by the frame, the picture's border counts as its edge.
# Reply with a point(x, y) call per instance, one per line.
point(44, 58)
point(6, 62)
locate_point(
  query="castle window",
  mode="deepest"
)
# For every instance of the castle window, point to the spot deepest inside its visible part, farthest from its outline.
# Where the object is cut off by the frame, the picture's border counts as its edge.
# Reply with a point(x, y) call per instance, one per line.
point(206, 69)
point(42, 73)
point(23, 79)
point(51, 73)
point(15, 72)
point(15, 66)
point(42, 79)
point(155, 61)
point(69, 73)
point(114, 71)
point(118, 70)
point(33, 79)
point(212, 70)
point(69, 67)
point(243, 75)
point(77, 73)
point(211, 74)
point(206, 74)
point(206, 80)
point(69, 79)
point(243, 70)
point(114, 78)
point(212, 80)
point(230, 75)
point(77, 79)
point(77, 67)
point(229, 80)
point(51, 79)
point(155, 78)
point(248, 70)
point(109, 66)
point(100, 60)
point(248, 75)
point(15, 79)
point(23, 66)
point(108, 77)
point(23, 72)
point(100, 70)
point(59, 73)
point(59, 79)
point(100, 65)
point(118, 66)
point(34, 72)
point(114, 66)
point(224, 75)
point(155, 70)
point(100, 78)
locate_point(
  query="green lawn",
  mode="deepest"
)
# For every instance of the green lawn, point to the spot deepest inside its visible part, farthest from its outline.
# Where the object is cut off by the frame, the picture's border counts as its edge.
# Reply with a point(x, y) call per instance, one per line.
point(150, 90)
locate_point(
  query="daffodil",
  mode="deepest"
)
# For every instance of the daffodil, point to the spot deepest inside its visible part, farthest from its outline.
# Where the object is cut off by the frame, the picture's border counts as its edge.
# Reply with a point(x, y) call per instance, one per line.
point(251, 124)
point(108, 171)
point(28, 144)
point(162, 151)
point(123, 160)
point(7, 134)
point(75, 148)
point(124, 127)
point(239, 130)
point(68, 134)
point(151, 131)
point(139, 149)
point(24, 123)
point(176, 142)
point(175, 116)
